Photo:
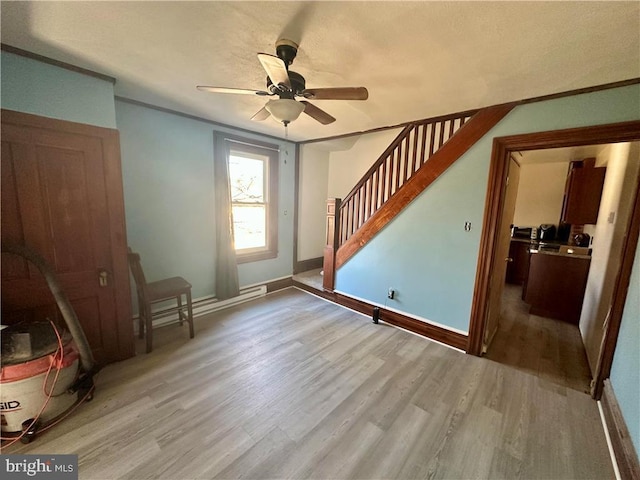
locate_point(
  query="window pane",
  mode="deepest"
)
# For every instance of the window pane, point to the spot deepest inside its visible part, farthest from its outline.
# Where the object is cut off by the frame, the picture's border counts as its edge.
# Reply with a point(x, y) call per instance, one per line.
point(246, 177)
point(249, 226)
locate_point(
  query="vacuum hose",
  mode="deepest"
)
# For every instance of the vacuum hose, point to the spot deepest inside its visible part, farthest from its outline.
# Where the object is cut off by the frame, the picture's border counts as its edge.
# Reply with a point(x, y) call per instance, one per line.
point(86, 356)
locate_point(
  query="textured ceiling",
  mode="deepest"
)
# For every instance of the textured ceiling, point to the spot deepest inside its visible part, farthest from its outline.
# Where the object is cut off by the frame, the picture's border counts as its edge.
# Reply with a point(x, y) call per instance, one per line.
point(418, 59)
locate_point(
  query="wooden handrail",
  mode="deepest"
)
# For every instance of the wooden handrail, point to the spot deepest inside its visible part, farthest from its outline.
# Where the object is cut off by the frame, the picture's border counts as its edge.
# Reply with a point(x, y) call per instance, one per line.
point(400, 161)
point(377, 163)
point(408, 127)
point(393, 194)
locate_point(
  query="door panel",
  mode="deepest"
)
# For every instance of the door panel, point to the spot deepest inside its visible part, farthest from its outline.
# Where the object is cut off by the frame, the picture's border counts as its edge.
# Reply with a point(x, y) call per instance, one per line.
point(65, 198)
point(498, 275)
point(89, 309)
point(12, 267)
point(58, 200)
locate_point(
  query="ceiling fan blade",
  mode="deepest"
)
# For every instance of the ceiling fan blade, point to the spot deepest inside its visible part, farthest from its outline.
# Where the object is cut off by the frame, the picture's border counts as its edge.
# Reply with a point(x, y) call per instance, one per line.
point(275, 68)
point(317, 113)
point(346, 93)
point(242, 91)
point(262, 114)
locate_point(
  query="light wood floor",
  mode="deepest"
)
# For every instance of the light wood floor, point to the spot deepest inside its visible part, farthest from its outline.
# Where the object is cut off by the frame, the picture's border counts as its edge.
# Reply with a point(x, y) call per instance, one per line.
point(550, 349)
point(312, 278)
point(291, 386)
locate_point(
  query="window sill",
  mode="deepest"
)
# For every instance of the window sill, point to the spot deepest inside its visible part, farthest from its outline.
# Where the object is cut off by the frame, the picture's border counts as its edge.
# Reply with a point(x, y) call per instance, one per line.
point(255, 256)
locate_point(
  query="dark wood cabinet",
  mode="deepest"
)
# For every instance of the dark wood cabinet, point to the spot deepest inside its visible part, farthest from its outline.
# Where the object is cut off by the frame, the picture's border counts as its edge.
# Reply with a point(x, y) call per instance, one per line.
point(556, 284)
point(518, 264)
point(582, 194)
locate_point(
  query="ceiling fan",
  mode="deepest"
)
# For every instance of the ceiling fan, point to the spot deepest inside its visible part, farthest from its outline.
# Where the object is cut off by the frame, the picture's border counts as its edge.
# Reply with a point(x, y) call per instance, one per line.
point(287, 85)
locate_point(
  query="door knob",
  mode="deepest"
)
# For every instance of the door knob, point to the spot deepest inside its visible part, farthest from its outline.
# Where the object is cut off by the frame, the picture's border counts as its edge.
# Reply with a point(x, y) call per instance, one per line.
point(508, 259)
point(103, 278)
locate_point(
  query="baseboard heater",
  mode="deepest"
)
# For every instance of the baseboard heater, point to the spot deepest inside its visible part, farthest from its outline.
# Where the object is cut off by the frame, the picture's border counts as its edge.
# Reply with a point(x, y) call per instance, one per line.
point(206, 305)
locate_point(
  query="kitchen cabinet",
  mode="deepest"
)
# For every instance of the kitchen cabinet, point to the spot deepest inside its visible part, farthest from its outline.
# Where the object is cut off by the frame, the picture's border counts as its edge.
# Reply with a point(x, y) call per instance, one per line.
point(555, 285)
point(582, 193)
point(518, 263)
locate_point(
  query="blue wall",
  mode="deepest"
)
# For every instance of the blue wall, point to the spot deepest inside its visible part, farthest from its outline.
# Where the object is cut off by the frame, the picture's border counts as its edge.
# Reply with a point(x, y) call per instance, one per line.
point(167, 164)
point(625, 371)
point(34, 87)
point(425, 254)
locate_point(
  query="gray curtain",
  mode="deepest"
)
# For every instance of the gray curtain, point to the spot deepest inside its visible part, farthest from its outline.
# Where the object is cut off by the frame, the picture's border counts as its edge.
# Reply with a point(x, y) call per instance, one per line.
point(226, 266)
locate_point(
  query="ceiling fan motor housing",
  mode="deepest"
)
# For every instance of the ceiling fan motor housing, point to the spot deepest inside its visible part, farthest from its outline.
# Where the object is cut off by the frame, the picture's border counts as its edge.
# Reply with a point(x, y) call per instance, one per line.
point(297, 86)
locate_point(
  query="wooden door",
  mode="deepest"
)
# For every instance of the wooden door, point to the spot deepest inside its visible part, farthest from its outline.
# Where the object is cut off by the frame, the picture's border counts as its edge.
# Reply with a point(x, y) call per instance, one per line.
point(518, 265)
point(498, 274)
point(62, 196)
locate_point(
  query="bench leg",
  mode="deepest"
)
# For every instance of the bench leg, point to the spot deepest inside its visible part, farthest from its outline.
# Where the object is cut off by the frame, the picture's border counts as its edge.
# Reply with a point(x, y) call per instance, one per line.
point(180, 314)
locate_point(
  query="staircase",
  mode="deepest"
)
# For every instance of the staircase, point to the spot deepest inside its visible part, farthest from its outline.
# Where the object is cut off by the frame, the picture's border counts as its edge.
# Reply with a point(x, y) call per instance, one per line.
point(420, 153)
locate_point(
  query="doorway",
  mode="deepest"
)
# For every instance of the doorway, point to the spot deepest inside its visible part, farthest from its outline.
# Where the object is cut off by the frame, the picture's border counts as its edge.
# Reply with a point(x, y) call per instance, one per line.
point(541, 328)
point(488, 262)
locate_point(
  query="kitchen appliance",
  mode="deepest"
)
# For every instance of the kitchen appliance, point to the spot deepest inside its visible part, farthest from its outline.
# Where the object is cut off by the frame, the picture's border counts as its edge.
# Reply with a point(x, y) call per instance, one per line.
point(524, 232)
point(582, 239)
point(547, 232)
point(564, 230)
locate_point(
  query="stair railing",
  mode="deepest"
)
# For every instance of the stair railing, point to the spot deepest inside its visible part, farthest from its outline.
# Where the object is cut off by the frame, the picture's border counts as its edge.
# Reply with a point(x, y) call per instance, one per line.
point(408, 152)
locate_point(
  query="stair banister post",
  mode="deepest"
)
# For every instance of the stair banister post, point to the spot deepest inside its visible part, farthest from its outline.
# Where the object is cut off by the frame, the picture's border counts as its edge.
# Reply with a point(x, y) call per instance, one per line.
point(332, 243)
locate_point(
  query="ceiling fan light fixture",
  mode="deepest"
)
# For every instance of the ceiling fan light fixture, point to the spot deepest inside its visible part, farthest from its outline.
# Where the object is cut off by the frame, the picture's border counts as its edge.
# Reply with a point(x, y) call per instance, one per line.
point(284, 110)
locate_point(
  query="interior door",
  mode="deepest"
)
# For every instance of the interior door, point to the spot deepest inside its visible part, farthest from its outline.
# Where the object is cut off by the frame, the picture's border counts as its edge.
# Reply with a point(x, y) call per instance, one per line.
point(498, 275)
point(62, 196)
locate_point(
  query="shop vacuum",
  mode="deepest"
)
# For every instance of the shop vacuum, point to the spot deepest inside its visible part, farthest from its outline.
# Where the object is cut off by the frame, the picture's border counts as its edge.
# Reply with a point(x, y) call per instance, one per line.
point(46, 371)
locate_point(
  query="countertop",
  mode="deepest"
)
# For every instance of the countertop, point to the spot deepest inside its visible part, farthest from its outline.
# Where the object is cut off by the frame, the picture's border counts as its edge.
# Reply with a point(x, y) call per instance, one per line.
point(558, 254)
point(553, 243)
point(540, 242)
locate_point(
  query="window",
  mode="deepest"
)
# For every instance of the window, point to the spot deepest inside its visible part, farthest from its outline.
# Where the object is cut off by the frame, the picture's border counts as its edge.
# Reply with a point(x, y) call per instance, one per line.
point(253, 178)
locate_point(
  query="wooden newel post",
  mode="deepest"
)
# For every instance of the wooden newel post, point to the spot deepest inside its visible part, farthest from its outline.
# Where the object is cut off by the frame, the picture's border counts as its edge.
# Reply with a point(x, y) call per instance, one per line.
point(332, 243)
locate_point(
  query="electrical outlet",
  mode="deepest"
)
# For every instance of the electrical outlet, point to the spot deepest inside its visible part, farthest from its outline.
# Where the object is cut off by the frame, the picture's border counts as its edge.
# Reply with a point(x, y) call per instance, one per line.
point(467, 226)
point(391, 293)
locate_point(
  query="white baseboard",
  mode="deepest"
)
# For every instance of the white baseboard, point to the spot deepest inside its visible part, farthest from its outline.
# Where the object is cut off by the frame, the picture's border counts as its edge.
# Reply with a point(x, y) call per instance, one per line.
point(205, 305)
point(406, 314)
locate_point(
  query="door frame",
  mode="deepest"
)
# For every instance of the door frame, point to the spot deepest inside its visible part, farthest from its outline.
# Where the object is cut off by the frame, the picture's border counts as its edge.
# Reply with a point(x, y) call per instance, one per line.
point(502, 148)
